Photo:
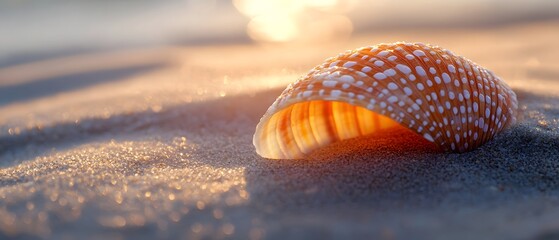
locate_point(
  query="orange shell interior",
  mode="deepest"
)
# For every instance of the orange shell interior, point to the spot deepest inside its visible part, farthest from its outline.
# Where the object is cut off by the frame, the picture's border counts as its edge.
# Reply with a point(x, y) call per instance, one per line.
point(304, 127)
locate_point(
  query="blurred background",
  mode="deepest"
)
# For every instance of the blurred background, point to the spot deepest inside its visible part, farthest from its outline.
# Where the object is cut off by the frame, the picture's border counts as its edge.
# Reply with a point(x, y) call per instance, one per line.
point(135, 118)
point(43, 29)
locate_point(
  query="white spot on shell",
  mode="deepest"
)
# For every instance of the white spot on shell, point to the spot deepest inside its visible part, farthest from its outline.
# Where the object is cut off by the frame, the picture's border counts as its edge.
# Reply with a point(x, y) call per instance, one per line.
point(418, 53)
point(446, 78)
point(382, 53)
point(392, 99)
point(392, 86)
point(420, 71)
point(428, 137)
point(349, 64)
point(329, 83)
point(335, 93)
point(335, 63)
point(347, 78)
point(451, 68)
point(408, 91)
point(379, 76)
point(389, 72)
point(466, 94)
point(382, 105)
point(403, 68)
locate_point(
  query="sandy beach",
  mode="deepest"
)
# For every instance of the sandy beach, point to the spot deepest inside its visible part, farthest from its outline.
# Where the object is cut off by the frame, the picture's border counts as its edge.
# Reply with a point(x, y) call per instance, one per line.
point(156, 143)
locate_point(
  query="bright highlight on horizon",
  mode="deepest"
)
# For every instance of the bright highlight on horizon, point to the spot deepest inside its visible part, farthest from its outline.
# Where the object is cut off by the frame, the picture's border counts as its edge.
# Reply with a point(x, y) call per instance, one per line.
point(292, 21)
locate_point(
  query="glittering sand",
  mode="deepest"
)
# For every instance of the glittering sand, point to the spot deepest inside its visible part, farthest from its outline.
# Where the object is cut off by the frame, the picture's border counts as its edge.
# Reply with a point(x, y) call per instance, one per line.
point(157, 143)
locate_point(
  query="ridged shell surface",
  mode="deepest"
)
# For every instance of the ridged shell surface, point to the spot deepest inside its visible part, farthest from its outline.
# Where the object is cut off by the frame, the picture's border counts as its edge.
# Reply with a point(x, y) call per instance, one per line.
point(447, 99)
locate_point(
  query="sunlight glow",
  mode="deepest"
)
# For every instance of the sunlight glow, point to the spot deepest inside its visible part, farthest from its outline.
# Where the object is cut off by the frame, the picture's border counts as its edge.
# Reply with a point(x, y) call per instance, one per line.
point(292, 20)
point(275, 28)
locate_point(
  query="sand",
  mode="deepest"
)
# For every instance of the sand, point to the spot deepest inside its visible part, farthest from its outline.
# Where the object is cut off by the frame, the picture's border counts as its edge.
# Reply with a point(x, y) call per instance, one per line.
point(157, 143)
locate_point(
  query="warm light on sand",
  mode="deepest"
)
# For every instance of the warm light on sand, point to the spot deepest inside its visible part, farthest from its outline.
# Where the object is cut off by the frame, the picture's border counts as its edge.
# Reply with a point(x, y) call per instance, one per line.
point(285, 21)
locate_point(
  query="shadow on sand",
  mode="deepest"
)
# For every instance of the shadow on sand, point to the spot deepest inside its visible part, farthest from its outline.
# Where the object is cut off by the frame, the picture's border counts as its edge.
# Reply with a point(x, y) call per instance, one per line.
point(399, 171)
point(51, 86)
point(404, 171)
point(226, 113)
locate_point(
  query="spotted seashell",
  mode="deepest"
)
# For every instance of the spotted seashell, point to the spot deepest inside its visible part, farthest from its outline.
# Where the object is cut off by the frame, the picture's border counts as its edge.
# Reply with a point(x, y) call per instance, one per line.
point(447, 99)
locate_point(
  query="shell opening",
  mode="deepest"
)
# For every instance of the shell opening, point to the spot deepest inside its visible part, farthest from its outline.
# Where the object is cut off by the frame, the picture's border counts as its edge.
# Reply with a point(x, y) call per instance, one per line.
point(306, 126)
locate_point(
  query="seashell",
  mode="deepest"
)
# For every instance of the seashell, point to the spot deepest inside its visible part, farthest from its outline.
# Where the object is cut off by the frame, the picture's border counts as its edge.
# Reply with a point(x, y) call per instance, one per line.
point(447, 99)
